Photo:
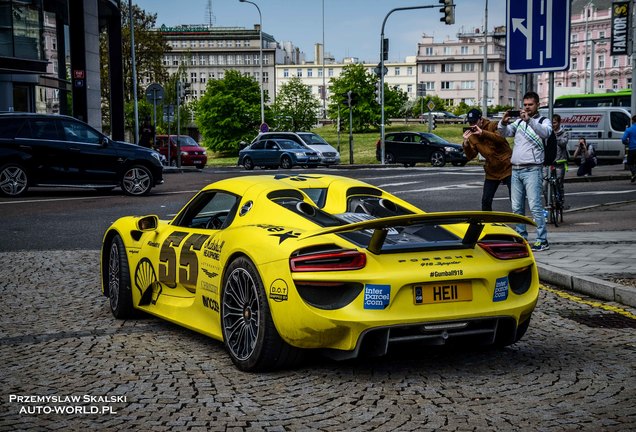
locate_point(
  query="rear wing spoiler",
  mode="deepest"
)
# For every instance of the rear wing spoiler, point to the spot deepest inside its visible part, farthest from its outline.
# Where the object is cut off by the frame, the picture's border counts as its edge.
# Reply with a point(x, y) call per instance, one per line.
point(474, 219)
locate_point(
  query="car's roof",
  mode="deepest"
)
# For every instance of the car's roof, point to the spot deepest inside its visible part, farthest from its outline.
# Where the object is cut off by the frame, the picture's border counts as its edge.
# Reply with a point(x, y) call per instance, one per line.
point(34, 115)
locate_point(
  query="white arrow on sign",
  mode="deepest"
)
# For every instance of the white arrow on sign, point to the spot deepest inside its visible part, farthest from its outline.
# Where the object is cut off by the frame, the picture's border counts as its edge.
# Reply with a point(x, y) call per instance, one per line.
point(517, 25)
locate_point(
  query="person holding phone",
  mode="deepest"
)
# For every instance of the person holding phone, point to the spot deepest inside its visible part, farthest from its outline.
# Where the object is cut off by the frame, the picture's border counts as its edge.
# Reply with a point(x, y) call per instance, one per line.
point(585, 152)
point(482, 138)
point(528, 154)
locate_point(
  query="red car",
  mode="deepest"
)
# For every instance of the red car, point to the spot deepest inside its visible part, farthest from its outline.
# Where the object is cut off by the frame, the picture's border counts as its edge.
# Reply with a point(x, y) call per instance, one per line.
point(192, 154)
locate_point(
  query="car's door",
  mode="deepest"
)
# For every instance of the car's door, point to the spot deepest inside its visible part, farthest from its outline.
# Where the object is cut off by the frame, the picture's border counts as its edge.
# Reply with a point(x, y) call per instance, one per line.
point(98, 162)
point(423, 149)
point(393, 145)
point(272, 152)
point(257, 153)
point(53, 161)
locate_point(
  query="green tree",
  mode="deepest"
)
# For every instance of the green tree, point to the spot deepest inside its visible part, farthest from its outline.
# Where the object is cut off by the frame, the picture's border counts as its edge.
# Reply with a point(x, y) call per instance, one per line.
point(150, 47)
point(355, 78)
point(229, 111)
point(295, 107)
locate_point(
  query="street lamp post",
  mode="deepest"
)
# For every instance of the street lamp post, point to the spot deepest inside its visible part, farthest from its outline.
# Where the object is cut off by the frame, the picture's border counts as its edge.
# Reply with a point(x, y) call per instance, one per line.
point(260, 32)
point(134, 70)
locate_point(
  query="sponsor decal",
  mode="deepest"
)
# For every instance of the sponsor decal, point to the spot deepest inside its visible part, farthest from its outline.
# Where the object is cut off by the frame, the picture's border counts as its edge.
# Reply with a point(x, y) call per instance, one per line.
point(419, 297)
point(298, 178)
point(501, 289)
point(210, 303)
point(376, 296)
point(278, 290)
point(153, 244)
point(213, 249)
point(447, 273)
point(209, 273)
point(209, 287)
point(437, 261)
point(284, 236)
point(133, 251)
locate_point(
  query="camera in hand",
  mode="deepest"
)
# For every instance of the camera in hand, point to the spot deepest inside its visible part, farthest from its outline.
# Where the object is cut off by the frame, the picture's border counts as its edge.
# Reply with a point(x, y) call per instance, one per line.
point(470, 128)
point(514, 113)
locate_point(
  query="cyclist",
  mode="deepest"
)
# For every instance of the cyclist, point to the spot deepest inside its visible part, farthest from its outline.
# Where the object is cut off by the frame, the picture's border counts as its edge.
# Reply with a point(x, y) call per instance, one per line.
point(561, 160)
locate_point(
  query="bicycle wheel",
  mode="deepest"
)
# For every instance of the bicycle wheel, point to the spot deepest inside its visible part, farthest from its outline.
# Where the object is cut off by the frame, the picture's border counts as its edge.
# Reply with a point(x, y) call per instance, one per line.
point(554, 217)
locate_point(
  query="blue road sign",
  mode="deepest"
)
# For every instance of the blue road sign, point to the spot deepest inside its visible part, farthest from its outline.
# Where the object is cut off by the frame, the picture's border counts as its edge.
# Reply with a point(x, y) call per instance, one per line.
point(537, 36)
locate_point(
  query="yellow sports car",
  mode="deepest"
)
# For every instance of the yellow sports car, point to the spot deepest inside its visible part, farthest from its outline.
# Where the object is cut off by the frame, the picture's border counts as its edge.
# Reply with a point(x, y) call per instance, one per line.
point(276, 265)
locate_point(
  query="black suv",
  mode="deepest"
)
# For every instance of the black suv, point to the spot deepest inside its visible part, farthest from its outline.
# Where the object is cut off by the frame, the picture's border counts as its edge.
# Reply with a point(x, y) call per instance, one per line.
point(55, 150)
point(409, 148)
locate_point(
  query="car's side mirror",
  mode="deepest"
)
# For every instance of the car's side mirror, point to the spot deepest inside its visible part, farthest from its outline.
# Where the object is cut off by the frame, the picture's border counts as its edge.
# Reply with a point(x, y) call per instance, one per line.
point(104, 142)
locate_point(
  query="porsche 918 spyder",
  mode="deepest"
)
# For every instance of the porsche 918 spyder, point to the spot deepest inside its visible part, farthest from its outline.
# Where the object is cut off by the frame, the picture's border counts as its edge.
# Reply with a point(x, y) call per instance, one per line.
point(277, 265)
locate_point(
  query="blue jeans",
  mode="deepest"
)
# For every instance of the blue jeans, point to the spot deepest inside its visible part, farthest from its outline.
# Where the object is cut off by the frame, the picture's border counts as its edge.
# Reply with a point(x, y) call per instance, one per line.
point(528, 183)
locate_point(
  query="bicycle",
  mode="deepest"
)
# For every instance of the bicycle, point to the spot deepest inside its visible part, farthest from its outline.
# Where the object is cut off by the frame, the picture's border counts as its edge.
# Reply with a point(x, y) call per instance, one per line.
point(554, 195)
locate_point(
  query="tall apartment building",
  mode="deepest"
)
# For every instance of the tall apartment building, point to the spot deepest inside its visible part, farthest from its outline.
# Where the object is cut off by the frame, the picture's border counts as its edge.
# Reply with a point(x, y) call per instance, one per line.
point(399, 74)
point(453, 69)
point(592, 68)
point(207, 51)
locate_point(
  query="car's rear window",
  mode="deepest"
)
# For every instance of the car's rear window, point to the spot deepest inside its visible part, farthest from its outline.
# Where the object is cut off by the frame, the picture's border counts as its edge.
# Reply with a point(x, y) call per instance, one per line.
point(9, 127)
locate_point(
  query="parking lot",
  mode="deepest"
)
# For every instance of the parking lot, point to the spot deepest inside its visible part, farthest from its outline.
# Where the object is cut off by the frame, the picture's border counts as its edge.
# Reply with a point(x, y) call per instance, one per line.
point(76, 367)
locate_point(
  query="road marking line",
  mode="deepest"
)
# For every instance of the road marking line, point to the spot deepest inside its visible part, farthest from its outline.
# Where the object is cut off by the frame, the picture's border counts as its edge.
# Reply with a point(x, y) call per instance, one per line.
point(592, 303)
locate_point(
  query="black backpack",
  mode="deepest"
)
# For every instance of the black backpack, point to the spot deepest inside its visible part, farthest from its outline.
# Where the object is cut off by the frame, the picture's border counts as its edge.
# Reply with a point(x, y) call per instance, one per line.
point(549, 147)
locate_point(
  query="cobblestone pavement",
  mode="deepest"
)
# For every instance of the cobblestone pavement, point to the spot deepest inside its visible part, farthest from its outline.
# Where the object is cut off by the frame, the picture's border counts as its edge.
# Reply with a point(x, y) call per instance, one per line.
point(574, 370)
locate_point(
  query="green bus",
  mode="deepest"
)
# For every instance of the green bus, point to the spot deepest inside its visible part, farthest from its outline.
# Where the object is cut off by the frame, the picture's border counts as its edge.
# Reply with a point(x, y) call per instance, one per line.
point(621, 98)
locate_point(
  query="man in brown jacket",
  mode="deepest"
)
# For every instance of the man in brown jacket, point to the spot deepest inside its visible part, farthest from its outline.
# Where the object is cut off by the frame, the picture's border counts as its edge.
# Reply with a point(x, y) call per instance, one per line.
point(482, 138)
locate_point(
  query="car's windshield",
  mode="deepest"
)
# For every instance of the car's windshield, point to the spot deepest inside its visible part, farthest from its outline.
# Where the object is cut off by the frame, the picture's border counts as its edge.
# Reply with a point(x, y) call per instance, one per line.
point(435, 139)
point(291, 145)
point(186, 141)
point(312, 139)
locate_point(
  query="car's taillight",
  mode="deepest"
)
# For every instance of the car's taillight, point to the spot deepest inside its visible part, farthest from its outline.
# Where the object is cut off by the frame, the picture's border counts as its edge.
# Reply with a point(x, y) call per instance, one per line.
point(505, 250)
point(328, 261)
point(378, 144)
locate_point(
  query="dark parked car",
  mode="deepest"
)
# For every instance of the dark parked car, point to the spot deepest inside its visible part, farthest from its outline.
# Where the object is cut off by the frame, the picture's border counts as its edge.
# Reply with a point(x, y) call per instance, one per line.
point(192, 154)
point(277, 152)
point(409, 148)
point(54, 150)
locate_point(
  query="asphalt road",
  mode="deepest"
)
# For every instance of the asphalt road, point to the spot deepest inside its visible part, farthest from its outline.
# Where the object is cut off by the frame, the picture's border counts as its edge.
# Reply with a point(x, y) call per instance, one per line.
point(66, 219)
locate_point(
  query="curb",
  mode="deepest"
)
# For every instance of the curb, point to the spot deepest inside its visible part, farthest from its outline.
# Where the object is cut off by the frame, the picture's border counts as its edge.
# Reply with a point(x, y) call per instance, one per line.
point(588, 285)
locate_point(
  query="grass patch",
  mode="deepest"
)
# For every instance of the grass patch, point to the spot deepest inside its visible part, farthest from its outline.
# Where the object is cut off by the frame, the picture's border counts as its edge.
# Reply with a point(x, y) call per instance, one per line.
point(363, 143)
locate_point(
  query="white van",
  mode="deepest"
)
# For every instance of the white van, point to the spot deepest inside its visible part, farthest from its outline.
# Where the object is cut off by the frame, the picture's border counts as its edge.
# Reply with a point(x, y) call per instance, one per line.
point(602, 127)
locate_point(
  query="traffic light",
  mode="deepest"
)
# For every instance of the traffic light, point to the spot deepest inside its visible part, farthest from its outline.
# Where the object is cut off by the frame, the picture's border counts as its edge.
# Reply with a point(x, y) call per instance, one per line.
point(349, 99)
point(433, 122)
point(448, 11)
point(385, 48)
point(185, 88)
point(378, 93)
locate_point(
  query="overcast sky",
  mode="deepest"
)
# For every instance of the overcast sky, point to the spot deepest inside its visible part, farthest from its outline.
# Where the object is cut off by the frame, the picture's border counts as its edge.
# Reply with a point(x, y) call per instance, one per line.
point(352, 27)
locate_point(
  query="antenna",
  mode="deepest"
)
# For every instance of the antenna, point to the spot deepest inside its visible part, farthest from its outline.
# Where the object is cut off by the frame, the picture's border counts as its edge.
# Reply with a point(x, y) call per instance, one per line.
point(208, 12)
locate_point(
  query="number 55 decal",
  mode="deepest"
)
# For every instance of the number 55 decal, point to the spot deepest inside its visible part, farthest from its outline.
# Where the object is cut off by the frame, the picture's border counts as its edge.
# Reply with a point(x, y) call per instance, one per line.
point(188, 262)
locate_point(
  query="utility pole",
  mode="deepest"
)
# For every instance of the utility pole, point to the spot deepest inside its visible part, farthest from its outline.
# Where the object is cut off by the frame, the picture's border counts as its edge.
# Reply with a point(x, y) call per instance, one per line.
point(484, 101)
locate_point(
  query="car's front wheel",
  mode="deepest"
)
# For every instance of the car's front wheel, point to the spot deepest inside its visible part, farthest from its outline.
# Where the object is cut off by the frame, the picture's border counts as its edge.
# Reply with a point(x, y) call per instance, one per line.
point(14, 180)
point(119, 288)
point(460, 164)
point(137, 180)
point(285, 162)
point(249, 333)
point(437, 159)
point(248, 164)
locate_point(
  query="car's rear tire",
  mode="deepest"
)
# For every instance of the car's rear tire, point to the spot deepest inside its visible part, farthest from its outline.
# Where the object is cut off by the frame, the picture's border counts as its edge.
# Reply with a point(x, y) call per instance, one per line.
point(438, 159)
point(285, 162)
point(119, 287)
point(249, 333)
point(14, 181)
point(248, 164)
point(137, 181)
point(389, 158)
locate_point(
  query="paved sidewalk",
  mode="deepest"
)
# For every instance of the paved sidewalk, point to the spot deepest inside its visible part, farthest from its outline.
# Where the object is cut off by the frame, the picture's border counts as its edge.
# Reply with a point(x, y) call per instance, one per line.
point(583, 261)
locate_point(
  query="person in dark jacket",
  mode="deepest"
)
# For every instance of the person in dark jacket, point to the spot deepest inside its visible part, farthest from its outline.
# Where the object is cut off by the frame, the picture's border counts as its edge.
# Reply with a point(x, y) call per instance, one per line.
point(147, 137)
point(482, 138)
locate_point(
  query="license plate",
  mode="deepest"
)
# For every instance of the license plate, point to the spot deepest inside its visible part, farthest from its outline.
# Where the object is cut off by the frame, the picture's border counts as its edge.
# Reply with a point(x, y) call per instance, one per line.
point(442, 292)
point(314, 158)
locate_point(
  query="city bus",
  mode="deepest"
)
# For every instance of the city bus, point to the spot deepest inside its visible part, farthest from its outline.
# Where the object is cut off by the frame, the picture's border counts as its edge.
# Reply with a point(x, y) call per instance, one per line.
point(621, 98)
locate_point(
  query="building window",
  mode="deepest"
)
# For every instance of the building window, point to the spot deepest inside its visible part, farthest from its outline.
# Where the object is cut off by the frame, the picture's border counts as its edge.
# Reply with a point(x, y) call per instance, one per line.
point(573, 84)
point(320, 72)
point(575, 63)
point(601, 61)
point(397, 71)
point(448, 50)
point(446, 85)
point(285, 73)
point(601, 84)
point(615, 62)
point(468, 67)
point(310, 73)
point(330, 72)
point(299, 73)
point(447, 68)
point(409, 70)
point(429, 85)
point(614, 84)
point(265, 77)
point(428, 51)
point(464, 50)
point(601, 34)
point(468, 85)
point(409, 88)
point(428, 68)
